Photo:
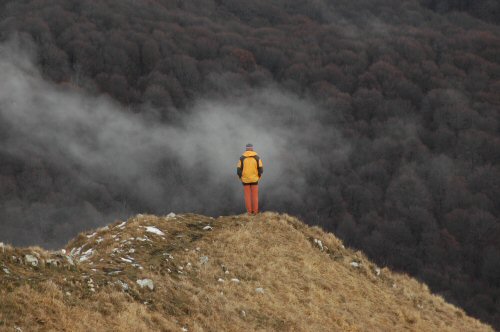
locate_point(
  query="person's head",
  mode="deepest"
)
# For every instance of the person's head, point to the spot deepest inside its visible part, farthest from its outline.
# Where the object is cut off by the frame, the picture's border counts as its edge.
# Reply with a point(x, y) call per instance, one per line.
point(249, 147)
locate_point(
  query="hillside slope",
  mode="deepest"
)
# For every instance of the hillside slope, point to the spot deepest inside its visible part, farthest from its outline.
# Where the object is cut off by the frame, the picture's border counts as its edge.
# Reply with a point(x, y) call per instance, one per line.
point(195, 273)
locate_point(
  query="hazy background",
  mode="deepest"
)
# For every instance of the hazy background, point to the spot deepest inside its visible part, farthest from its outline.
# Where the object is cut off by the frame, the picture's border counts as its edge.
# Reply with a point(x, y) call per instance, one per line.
point(151, 167)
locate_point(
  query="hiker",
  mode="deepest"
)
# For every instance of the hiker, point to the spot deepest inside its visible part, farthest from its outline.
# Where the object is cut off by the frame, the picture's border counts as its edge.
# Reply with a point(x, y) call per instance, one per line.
point(250, 171)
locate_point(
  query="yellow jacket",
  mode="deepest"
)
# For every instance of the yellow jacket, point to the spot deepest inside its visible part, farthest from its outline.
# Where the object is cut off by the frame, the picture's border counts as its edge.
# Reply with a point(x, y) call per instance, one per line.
point(250, 168)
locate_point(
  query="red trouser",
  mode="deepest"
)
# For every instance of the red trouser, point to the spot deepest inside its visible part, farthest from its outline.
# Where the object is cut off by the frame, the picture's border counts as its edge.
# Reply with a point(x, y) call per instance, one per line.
point(252, 197)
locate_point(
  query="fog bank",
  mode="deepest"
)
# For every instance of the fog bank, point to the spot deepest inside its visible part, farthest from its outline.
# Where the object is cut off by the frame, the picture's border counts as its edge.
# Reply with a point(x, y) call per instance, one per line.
point(106, 162)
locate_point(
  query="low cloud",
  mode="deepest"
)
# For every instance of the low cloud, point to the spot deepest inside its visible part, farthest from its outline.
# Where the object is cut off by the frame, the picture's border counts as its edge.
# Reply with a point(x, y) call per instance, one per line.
point(98, 147)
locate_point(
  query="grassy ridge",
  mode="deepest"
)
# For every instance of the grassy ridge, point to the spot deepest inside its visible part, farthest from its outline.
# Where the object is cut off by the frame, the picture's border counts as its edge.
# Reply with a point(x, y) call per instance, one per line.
point(235, 273)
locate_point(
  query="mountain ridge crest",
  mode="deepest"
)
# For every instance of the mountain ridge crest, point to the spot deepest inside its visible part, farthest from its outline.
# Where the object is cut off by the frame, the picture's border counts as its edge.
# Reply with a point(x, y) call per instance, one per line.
point(198, 273)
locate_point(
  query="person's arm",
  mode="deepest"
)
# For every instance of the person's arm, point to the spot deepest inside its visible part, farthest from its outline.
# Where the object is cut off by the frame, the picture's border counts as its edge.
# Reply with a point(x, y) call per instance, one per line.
point(260, 168)
point(238, 169)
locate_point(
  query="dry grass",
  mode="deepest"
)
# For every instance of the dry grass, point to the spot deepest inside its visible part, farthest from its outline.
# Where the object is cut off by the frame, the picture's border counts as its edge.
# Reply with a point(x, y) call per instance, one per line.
point(305, 288)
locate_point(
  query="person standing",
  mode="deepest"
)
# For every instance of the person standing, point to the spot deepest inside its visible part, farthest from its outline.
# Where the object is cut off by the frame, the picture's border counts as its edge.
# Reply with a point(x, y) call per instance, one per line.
point(250, 171)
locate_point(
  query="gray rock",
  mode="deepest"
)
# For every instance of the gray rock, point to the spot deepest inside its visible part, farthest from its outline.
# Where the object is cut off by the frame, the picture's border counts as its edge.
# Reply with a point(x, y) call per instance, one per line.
point(168, 256)
point(52, 262)
point(75, 251)
point(204, 260)
point(86, 255)
point(355, 264)
point(319, 244)
point(31, 260)
point(123, 285)
point(69, 260)
point(146, 283)
point(259, 290)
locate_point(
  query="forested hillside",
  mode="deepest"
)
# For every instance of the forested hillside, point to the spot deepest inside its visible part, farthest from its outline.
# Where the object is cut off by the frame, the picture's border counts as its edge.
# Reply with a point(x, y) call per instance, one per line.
point(390, 110)
point(488, 10)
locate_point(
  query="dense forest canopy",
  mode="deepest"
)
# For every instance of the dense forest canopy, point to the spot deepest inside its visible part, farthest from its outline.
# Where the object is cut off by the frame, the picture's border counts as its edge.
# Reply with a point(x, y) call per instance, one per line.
point(488, 10)
point(387, 112)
